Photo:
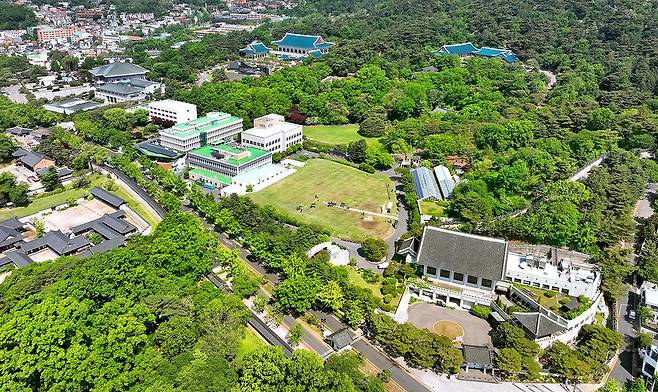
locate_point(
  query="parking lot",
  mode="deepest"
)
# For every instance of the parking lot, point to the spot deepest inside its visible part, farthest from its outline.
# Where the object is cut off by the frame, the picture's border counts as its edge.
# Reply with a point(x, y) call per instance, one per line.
point(476, 330)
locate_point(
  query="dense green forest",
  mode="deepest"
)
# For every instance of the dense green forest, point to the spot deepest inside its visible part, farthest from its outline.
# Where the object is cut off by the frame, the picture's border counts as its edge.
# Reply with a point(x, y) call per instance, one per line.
point(136, 318)
point(14, 17)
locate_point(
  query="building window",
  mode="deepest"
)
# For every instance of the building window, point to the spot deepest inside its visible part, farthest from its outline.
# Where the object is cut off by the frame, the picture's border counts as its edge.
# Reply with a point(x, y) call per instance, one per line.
point(430, 270)
point(487, 283)
point(649, 369)
point(458, 277)
point(445, 274)
point(472, 279)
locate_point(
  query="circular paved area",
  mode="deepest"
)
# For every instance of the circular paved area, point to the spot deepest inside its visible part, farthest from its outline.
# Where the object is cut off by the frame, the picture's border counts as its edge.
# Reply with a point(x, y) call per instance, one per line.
point(476, 330)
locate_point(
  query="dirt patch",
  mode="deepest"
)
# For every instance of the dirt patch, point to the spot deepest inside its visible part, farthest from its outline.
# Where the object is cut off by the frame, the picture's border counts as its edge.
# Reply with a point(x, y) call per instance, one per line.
point(448, 328)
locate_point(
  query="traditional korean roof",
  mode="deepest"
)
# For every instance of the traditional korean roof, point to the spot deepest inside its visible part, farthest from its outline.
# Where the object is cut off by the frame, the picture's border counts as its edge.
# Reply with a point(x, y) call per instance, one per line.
point(18, 258)
point(504, 54)
point(468, 48)
point(480, 355)
point(340, 339)
point(458, 49)
point(109, 198)
point(255, 48)
point(302, 41)
point(465, 253)
point(118, 69)
point(537, 324)
point(57, 241)
point(316, 53)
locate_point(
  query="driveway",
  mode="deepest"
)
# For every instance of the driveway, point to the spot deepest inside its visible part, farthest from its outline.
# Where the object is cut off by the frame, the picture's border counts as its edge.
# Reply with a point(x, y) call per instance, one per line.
point(476, 330)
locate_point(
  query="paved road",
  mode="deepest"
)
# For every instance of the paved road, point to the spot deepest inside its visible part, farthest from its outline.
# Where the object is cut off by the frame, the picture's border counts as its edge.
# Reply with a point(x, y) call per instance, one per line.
point(374, 355)
point(138, 189)
point(623, 369)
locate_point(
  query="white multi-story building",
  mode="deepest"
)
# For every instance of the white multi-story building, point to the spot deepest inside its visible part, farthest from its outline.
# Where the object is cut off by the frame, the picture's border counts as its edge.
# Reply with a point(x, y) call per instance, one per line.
point(171, 111)
point(214, 128)
point(649, 360)
point(272, 133)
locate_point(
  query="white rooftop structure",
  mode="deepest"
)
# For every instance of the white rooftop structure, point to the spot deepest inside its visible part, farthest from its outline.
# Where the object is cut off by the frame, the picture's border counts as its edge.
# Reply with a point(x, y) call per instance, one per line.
point(553, 269)
point(272, 133)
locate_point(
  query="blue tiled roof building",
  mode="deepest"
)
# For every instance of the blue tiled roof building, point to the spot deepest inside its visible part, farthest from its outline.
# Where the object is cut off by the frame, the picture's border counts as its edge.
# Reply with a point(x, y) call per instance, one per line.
point(468, 49)
point(301, 45)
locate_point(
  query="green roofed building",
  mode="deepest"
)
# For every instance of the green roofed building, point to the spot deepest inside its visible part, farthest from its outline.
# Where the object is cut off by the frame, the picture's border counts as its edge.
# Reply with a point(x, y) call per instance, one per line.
point(217, 164)
point(214, 128)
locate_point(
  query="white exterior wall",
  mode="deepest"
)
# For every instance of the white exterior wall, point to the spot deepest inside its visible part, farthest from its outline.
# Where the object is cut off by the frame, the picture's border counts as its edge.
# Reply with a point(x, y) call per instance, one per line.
point(174, 111)
point(649, 361)
point(590, 290)
point(193, 141)
point(272, 133)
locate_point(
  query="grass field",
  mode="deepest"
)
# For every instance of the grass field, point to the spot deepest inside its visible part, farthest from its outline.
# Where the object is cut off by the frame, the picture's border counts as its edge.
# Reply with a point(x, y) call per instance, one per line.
point(433, 208)
point(335, 134)
point(249, 343)
point(44, 202)
point(333, 182)
point(41, 203)
point(448, 328)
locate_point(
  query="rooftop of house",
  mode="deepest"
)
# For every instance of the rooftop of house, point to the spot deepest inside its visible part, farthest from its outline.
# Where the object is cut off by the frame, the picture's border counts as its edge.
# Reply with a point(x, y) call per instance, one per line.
point(235, 155)
point(255, 48)
point(211, 121)
point(107, 197)
point(480, 355)
point(28, 158)
point(118, 69)
point(468, 48)
point(18, 131)
point(57, 241)
point(131, 87)
point(463, 253)
point(303, 41)
point(109, 226)
point(538, 324)
point(340, 339)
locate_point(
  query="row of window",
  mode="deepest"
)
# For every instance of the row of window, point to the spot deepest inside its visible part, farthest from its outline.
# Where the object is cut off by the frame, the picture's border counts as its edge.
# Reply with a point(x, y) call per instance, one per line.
point(459, 277)
point(536, 284)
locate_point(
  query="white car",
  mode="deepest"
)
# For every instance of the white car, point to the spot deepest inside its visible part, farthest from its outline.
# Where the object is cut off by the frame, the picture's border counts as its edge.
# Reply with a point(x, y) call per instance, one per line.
point(631, 314)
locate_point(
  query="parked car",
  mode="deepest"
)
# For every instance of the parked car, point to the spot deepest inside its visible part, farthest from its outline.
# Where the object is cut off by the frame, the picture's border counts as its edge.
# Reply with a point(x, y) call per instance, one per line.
point(631, 314)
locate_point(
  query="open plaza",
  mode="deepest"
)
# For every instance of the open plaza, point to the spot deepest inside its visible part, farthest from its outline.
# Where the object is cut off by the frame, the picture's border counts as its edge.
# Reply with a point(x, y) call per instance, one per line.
point(306, 195)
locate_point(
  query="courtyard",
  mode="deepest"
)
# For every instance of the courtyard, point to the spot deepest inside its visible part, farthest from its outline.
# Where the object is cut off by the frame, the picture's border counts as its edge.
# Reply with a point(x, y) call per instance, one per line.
point(451, 323)
point(306, 195)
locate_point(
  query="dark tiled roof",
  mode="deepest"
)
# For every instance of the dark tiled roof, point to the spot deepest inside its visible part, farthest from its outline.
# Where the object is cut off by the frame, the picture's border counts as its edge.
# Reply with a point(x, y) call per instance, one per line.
point(118, 69)
point(108, 245)
point(19, 259)
point(12, 223)
point(480, 355)
point(407, 246)
point(109, 198)
point(537, 324)
point(57, 241)
point(157, 149)
point(19, 152)
point(19, 131)
point(109, 226)
point(340, 339)
point(464, 253)
point(31, 158)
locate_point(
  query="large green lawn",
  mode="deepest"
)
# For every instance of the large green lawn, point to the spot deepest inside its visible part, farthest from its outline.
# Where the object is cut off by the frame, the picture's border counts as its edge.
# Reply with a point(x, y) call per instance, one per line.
point(338, 183)
point(335, 134)
point(47, 201)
